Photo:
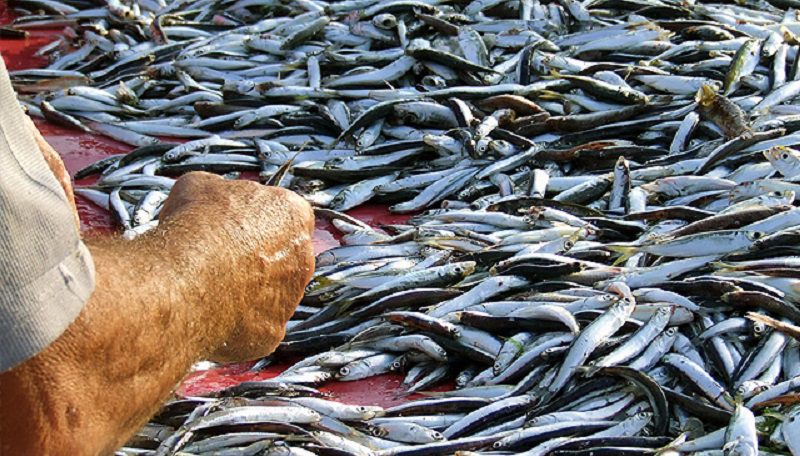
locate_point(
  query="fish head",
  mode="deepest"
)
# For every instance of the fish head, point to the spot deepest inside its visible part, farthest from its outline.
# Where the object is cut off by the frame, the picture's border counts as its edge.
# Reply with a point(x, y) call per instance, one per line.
point(753, 235)
point(482, 146)
point(750, 388)
point(500, 146)
point(399, 364)
point(785, 160)
point(739, 447)
point(665, 310)
point(367, 413)
point(464, 268)
point(743, 190)
point(385, 21)
point(339, 199)
point(534, 213)
point(409, 115)
point(431, 82)
point(584, 232)
point(759, 328)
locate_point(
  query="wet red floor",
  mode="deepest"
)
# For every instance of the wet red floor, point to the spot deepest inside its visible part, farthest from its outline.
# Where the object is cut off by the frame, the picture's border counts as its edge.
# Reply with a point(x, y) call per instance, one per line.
point(79, 149)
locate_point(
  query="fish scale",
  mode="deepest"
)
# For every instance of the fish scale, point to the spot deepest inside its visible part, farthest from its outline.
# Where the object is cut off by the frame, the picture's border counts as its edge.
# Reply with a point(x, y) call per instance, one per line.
point(603, 151)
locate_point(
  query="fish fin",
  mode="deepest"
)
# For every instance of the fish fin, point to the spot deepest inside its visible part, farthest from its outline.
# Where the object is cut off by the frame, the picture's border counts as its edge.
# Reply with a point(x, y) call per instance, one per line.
point(426, 393)
point(668, 449)
point(276, 178)
point(590, 370)
point(721, 265)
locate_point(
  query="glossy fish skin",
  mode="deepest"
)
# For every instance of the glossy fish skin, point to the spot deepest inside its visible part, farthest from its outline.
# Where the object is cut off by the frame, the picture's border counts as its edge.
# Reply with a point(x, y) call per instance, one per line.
point(552, 150)
point(589, 338)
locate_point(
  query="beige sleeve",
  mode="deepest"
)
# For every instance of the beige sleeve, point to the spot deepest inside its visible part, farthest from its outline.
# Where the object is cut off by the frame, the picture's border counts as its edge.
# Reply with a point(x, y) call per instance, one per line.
point(46, 273)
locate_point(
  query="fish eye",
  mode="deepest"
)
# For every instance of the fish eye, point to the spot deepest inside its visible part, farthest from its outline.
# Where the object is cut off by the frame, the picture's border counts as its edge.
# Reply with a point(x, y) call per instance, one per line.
point(741, 389)
point(785, 156)
point(436, 435)
point(671, 331)
point(568, 244)
point(756, 234)
point(344, 371)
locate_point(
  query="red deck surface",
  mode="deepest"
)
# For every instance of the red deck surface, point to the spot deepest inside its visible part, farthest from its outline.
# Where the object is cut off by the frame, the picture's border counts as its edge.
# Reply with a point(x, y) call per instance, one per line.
point(79, 149)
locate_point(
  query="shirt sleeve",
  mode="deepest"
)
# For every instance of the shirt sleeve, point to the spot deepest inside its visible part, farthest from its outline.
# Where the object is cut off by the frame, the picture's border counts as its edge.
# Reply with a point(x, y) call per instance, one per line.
point(46, 273)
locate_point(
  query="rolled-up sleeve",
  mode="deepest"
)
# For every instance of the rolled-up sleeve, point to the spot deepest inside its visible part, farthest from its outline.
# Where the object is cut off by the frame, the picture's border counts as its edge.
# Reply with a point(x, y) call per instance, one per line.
point(46, 273)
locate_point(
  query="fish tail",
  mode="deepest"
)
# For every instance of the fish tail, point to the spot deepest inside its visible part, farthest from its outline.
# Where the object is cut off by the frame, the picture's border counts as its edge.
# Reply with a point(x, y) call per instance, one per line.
point(625, 251)
point(317, 283)
point(550, 95)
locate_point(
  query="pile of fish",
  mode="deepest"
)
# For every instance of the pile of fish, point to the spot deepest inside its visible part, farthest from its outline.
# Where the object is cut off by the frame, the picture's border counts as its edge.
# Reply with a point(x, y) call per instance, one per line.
point(603, 251)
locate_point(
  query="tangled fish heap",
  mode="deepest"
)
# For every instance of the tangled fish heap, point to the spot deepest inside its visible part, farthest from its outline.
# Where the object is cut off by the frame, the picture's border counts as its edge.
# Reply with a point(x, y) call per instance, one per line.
point(609, 266)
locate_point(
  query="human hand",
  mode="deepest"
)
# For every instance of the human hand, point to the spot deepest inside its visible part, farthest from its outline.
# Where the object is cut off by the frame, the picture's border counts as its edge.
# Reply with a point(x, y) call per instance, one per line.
point(261, 260)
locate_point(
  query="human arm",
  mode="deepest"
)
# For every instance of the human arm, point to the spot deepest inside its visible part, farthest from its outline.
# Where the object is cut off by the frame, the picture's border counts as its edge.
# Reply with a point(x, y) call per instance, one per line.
point(218, 279)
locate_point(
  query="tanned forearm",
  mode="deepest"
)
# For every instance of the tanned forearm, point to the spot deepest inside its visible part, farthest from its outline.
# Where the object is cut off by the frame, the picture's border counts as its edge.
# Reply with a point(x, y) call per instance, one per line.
point(193, 289)
point(114, 365)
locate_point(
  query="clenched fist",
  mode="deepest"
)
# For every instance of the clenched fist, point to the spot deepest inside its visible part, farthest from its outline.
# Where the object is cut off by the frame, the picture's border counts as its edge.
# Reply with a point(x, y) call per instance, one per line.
point(262, 240)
